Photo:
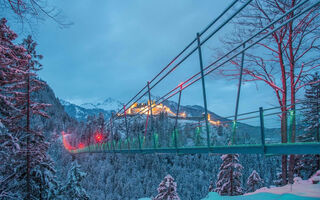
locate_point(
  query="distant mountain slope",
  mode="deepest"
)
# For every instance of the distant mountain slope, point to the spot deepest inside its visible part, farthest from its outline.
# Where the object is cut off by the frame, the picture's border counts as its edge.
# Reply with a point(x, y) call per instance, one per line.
point(58, 119)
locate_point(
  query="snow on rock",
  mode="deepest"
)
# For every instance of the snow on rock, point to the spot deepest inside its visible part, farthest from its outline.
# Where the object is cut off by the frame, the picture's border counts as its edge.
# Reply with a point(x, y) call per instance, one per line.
point(78, 113)
point(64, 103)
point(108, 104)
point(88, 106)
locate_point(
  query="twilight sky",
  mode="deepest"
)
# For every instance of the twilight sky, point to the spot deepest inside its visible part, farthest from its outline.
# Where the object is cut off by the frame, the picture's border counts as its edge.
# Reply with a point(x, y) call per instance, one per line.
point(115, 47)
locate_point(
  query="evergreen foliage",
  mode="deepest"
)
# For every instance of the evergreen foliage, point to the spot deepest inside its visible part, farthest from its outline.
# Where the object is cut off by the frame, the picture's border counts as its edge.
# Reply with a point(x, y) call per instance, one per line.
point(229, 177)
point(13, 62)
point(254, 181)
point(28, 169)
point(167, 189)
point(306, 165)
point(312, 109)
point(73, 190)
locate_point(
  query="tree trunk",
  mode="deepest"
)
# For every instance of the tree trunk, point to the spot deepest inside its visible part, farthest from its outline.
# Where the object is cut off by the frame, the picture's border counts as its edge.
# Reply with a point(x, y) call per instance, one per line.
point(283, 103)
point(293, 97)
point(292, 138)
point(231, 180)
point(284, 140)
point(28, 138)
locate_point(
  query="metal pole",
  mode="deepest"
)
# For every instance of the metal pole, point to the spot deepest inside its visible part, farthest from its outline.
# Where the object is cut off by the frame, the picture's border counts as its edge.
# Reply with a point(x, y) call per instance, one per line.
point(262, 130)
point(126, 123)
point(176, 123)
point(179, 100)
point(291, 116)
point(139, 140)
point(151, 116)
point(111, 132)
point(204, 91)
point(238, 98)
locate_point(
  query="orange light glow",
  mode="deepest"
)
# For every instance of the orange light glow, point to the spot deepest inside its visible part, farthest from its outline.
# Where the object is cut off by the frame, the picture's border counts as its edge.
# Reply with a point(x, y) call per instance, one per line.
point(65, 142)
point(216, 123)
point(141, 108)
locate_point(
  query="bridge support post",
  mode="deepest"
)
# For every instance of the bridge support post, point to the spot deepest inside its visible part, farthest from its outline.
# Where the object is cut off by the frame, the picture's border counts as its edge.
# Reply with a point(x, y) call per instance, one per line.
point(151, 116)
point(262, 130)
point(204, 91)
point(126, 123)
point(139, 141)
point(290, 132)
point(176, 122)
point(238, 98)
point(111, 132)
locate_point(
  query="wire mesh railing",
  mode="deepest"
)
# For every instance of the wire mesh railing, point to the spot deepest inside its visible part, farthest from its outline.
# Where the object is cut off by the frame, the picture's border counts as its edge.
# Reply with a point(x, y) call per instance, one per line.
point(253, 129)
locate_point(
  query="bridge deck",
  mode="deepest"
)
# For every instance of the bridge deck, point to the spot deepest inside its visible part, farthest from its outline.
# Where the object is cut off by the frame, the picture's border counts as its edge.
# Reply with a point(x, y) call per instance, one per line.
point(277, 149)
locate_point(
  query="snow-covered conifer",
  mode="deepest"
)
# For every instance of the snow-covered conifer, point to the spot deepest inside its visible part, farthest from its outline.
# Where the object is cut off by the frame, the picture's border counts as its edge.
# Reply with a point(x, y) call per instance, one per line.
point(37, 175)
point(306, 165)
point(254, 181)
point(31, 165)
point(312, 108)
point(13, 61)
point(167, 189)
point(73, 189)
point(211, 187)
point(229, 177)
point(9, 148)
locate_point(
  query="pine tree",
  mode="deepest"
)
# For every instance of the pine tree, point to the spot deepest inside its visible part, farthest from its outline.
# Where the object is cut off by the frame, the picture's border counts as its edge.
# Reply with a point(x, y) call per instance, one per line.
point(33, 169)
point(73, 188)
point(211, 189)
point(9, 148)
point(229, 177)
point(13, 61)
point(312, 108)
point(306, 165)
point(278, 181)
point(36, 175)
point(167, 189)
point(254, 181)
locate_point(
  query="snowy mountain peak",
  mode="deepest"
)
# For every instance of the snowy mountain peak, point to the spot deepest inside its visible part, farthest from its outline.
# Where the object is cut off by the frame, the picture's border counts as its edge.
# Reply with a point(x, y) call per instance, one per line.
point(108, 104)
point(64, 103)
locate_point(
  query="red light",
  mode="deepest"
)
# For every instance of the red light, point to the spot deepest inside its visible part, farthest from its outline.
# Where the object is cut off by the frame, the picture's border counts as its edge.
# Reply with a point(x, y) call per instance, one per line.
point(181, 85)
point(98, 137)
point(65, 141)
point(81, 146)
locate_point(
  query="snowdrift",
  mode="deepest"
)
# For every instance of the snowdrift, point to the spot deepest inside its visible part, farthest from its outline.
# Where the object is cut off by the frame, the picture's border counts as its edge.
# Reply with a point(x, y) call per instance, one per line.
point(305, 191)
point(260, 196)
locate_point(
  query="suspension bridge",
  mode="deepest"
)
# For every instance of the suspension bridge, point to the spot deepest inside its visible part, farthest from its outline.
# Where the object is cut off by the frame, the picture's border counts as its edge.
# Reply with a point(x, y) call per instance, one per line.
point(201, 136)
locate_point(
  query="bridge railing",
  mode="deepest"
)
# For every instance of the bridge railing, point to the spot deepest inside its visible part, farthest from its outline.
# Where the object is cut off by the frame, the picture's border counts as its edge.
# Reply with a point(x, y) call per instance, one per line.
point(258, 129)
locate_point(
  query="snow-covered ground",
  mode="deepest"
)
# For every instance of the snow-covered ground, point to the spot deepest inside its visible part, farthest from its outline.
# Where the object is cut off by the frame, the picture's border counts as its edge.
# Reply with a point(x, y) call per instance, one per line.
point(305, 191)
